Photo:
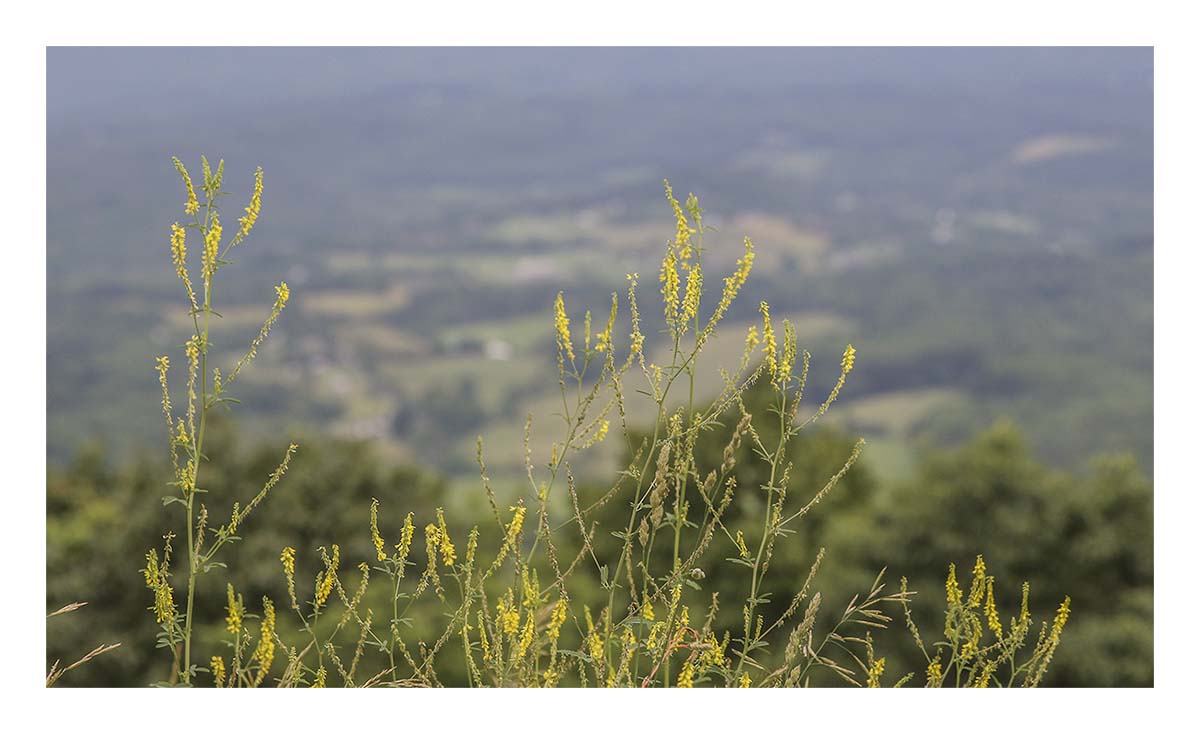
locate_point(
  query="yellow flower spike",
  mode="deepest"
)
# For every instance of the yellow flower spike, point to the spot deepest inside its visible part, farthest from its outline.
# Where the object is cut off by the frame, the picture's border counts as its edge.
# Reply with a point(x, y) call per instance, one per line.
point(751, 337)
point(288, 558)
point(768, 339)
point(847, 365)
point(848, 359)
point(788, 360)
point(376, 538)
point(325, 578)
point(319, 681)
point(265, 652)
point(472, 547)
point(636, 338)
point(604, 338)
point(179, 258)
point(508, 618)
point(953, 592)
point(557, 618)
point(212, 248)
point(405, 544)
point(933, 674)
point(668, 275)
point(683, 232)
point(691, 295)
point(686, 675)
point(595, 646)
point(978, 583)
point(483, 639)
point(985, 675)
point(652, 639)
point(1060, 619)
point(217, 666)
point(989, 608)
point(445, 545)
point(562, 327)
point(157, 580)
point(648, 611)
point(1024, 618)
point(282, 294)
point(247, 222)
point(875, 673)
point(233, 611)
point(514, 530)
point(191, 206)
point(733, 284)
point(598, 436)
point(526, 638)
point(744, 681)
point(740, 541)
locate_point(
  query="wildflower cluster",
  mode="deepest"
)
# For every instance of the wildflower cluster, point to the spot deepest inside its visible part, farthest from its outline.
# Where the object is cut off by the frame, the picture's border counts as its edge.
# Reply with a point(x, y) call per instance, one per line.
point(502, 601)
point(971, 657)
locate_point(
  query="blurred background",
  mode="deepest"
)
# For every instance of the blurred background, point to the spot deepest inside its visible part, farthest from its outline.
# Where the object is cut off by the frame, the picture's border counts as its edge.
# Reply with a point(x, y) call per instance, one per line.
point(978, 222)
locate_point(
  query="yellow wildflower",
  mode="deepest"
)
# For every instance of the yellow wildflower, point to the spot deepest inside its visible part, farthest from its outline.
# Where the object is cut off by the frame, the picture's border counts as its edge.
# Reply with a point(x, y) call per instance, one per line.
point(953, 592)
point(376, 538)
point(233, 611)
point(744, 681)
point(514, 527)
point(1060, 619)
point(733, 284)
point(740, 541)
point(217, 666)
point(265, 652)
point(483, 640)
point(562, 326)
point(985, 675)
point(691, 295)
point(636, 338)
point(874, 673)
point(247, 222)
point(683, 232)
point(179, 258)
point(157, 581)
point(557, 618)
point(989, 608)
point(405, 544)
point(668, 275)
point(933, 674)
point(751, 337)
point(288, 558)
point(978, 583)
point(319, 681)
point(526, 638)
point(848, 359)
point(212, 248)
point(191, 206)
point(686, 675)
point(325, 578)
point(713, 653)
point(507, 615)
point(768, 335)
point(597, 437)
point(445, 546)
